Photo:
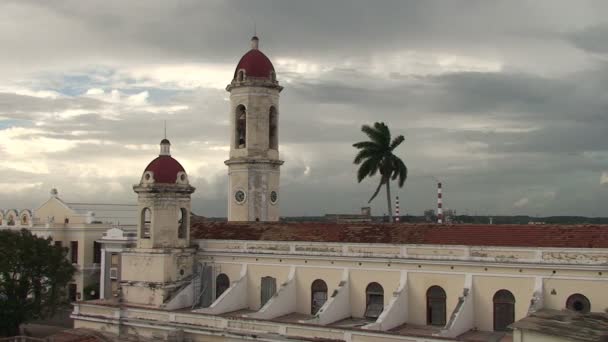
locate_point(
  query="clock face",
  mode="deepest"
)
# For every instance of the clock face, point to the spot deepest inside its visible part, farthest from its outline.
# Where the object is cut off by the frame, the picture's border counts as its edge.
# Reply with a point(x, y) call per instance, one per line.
point(239, 196)
point(274, 197)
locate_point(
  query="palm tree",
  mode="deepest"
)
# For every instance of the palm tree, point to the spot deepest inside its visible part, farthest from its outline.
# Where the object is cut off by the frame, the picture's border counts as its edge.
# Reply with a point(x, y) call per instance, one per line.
point(376, 156)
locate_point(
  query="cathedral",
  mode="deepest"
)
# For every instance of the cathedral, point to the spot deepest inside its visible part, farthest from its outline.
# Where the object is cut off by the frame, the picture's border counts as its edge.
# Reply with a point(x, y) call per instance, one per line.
point(253, 278)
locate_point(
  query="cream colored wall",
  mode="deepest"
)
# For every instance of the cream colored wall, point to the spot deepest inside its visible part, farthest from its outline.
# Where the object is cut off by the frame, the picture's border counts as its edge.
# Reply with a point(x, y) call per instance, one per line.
point(359, 279)
point(305, 276)
point(418, 285)
point(159, 267)
point(595, 291)
point(54, 208)
point(255, 274)
point(484, 288)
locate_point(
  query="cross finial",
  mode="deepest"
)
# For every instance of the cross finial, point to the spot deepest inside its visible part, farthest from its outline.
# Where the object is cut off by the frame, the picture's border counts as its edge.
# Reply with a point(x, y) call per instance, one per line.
point(165, 129)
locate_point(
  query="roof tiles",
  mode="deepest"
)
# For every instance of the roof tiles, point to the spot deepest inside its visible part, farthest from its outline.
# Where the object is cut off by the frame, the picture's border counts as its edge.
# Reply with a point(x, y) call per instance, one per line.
point(568, 236)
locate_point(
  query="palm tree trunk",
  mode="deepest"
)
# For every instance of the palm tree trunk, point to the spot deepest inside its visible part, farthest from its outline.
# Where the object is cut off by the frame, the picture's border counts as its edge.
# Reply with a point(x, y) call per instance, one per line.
point(388, 199)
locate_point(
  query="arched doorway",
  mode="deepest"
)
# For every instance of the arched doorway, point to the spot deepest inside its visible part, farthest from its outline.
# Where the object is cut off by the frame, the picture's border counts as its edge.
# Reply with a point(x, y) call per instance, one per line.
point(222, 283)
point(268, 289)
point(435, 306)
point(374, 301)
point(504, 310)
point(318, 295)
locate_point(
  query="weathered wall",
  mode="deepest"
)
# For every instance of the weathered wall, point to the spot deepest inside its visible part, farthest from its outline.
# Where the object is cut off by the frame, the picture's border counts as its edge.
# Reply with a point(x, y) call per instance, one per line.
point(485, 288)
point(418, 285)
point(596, 291)
point(305, 276)
point(255, 274)
point(359, 279)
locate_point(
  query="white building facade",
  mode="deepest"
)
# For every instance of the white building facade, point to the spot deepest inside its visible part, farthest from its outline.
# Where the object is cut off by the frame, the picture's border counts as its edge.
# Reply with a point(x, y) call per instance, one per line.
point(76, 226)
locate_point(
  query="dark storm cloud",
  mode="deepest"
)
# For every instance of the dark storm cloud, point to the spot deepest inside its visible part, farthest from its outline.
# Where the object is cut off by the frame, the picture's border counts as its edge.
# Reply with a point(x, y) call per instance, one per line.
point(593, 39)
point(504, 101)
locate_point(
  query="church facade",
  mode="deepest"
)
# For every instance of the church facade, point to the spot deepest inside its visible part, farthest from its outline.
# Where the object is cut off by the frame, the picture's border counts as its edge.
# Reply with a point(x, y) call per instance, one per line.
point(253, 278)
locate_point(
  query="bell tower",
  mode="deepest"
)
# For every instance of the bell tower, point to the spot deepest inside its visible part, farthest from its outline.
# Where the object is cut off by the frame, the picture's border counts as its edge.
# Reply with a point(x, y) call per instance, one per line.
point(254, 164)
point(162, 261)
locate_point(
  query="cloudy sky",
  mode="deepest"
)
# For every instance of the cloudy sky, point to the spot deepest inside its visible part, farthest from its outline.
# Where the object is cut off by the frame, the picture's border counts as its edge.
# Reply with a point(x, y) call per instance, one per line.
point(505, 101)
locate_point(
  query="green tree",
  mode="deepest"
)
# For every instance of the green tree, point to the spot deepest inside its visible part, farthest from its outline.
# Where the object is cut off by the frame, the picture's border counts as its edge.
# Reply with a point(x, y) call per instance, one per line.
point(33, 277)
point(376, 156)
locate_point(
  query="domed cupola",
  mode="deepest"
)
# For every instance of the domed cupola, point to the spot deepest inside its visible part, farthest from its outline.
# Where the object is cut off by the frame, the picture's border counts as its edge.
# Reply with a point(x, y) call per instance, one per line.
point(254, 68)
point(164, 169)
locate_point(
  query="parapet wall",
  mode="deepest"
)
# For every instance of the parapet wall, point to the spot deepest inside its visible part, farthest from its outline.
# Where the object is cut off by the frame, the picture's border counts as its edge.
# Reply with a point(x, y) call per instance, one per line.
point(566, 256)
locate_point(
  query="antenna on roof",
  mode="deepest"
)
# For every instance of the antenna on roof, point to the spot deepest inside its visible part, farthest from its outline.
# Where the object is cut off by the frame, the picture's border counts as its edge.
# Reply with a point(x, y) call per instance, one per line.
point(255, 30)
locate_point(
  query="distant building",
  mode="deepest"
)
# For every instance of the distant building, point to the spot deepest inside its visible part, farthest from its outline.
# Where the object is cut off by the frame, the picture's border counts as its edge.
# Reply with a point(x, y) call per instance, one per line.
point(113, 243)
point(365, 216)
point(76, 226)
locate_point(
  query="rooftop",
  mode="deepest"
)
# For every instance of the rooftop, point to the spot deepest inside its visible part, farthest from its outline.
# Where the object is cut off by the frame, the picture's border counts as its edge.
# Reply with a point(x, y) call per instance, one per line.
point(591, 327)
point(567, 236)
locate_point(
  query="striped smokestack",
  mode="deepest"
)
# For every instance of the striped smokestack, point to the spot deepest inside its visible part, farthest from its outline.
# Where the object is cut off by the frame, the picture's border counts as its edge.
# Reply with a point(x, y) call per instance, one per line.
point(397, 210)
point(439, 204)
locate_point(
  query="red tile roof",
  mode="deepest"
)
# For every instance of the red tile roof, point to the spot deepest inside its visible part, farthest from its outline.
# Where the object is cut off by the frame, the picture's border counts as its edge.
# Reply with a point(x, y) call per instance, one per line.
point(165, 169)
point(572, 236)
point(255, 63)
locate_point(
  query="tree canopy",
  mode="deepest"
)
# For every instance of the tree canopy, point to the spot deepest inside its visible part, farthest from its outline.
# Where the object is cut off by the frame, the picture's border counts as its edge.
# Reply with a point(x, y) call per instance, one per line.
point(376, 156)
point(33, 276)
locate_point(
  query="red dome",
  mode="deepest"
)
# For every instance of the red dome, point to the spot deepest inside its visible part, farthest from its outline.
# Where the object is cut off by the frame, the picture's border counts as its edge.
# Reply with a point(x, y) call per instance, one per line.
point(165, 169)
point(255, 63)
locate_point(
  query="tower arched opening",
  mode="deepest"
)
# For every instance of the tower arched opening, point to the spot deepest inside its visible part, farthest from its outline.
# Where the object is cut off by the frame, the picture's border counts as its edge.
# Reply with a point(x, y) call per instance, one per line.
point(273, 129)
point(146, 219)
point(182, 221)
point(241, 127)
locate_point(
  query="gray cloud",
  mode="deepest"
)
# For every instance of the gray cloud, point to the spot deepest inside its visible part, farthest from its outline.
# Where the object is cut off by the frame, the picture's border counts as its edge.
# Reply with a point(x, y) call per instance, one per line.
point(502, 101)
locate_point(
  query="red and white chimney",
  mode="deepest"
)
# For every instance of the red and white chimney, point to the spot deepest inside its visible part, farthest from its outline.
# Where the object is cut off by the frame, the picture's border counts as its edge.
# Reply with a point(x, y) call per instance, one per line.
point(439, 204)
point(397, 215)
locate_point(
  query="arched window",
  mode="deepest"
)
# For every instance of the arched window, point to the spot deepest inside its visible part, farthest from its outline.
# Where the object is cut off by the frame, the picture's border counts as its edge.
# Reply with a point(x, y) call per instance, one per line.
point(10, 220)
point(269, 288)
point(579, 303)
point(273, 132)
point(435, 306)
point(146, 219)
point(1, 218)
point(24, 220)
point(504, 310)
point(222, 283)
point(240, 76)
point(241, 127)
point(182, 221)
point(374, 300)
point(318, 295)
